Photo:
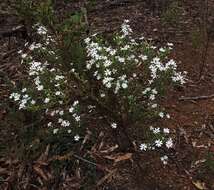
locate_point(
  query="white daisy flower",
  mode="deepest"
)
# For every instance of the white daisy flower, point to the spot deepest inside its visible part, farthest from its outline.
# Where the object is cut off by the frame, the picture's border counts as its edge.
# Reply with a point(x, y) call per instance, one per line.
point(169, 143)
point(143, 146)
point(76, 137)
point(114, 125)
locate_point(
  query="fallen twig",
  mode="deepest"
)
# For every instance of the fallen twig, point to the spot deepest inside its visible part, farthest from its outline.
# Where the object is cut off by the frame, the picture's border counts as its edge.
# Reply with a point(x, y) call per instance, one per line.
point(113, 4)
point(197, 97)
point(71, 154)
point(6, 55)
point(109, 175)
point(15, 32)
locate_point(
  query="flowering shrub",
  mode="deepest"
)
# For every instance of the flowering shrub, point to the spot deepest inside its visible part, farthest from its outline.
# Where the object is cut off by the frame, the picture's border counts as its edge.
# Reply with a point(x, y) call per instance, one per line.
point(47, 90)
point(121, 81)
point(135, 73)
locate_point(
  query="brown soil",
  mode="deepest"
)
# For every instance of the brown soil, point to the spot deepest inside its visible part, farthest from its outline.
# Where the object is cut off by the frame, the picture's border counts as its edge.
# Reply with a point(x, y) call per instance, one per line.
point(191, 120)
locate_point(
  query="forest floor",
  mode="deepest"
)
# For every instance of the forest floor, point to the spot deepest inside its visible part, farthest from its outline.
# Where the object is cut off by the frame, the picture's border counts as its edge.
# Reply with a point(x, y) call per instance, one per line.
point(192, 120)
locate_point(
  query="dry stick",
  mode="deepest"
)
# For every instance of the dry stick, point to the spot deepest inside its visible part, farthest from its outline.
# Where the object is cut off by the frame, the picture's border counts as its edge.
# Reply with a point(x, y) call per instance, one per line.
point(84, 11)
point(84, 160)
point(114, 3)
point(197, 97)
point(98, 166)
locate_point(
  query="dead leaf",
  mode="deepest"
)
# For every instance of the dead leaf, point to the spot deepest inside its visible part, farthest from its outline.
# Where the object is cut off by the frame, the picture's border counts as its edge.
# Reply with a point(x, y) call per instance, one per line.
point(127, 156)
point(86, 138)
point(118, 158)
point(198, 162)
point(40, 172)
point(60, 158)
point(199, 185)
point(101, 145)
point(111, 149)
point(3, 171)
point(44, 156)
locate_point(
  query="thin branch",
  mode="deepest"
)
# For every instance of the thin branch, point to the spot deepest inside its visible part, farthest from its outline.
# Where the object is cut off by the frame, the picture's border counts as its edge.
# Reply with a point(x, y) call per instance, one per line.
point(4, 181)
point(197, 97)
point(84, 160)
